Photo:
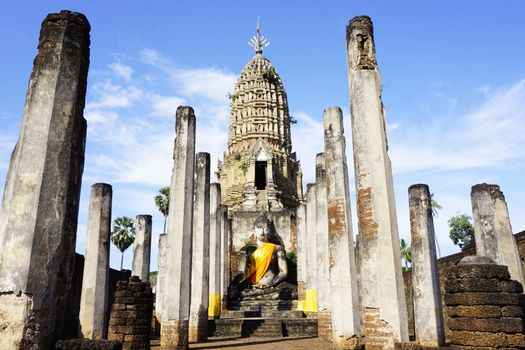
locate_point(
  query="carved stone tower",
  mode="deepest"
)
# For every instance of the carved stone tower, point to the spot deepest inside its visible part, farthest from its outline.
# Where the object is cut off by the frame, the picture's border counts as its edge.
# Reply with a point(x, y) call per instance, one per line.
point(259, 171)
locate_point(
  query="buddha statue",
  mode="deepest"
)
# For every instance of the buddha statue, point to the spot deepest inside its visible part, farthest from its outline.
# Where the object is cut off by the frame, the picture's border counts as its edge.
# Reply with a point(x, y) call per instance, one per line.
point(262, 268)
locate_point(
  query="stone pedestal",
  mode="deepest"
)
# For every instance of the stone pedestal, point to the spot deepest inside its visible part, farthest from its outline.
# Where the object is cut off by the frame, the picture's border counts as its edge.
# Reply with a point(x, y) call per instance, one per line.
point(343, 277)
point(382, 290)
point(214, 298)
point(493, 230)
point(428, 312)
point(200, 267)
point(38, 218)
point(142, 247)
point(484, 306)
point(174, 329)
point(94, 297)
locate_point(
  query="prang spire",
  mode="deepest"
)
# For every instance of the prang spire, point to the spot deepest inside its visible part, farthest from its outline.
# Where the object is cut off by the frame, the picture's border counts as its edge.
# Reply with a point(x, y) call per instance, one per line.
point(258, 42)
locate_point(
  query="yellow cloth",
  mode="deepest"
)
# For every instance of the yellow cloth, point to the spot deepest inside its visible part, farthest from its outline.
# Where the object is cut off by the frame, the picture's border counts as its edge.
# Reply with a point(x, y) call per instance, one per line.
point(310, 301)
point(214, 305)
point(260, 261)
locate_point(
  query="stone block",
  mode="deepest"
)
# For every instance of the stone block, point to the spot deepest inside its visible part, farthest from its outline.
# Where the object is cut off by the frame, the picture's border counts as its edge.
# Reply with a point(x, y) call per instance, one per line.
point(482, 285)
point(480, 311)
point(487, 339)
point(470, 298)
point(505, 324)
point(486, 271)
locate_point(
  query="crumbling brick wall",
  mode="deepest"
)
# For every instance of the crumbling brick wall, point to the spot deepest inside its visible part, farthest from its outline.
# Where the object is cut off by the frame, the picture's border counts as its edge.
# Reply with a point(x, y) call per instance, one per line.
point(131, 313)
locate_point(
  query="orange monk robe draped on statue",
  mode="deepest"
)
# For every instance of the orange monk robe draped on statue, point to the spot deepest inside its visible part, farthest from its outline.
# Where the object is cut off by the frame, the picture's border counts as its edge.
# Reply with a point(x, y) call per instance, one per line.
point(260, 261)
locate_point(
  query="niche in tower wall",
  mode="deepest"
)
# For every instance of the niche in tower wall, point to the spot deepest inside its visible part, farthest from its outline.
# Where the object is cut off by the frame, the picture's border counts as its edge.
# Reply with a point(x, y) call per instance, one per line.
point(260, 175)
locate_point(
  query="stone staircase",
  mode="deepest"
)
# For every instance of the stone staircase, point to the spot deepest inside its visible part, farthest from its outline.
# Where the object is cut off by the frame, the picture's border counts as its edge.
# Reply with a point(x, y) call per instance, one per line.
point(263, 319)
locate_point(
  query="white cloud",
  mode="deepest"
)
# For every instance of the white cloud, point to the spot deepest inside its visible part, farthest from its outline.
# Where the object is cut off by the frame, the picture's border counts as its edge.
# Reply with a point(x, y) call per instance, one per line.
point(490, 135)
point(109, 95)
point(165, 106)
point(122, 71)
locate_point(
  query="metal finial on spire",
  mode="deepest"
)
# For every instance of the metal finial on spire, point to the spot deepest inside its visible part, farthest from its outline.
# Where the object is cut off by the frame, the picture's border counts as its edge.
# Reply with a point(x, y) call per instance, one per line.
point(258, 42)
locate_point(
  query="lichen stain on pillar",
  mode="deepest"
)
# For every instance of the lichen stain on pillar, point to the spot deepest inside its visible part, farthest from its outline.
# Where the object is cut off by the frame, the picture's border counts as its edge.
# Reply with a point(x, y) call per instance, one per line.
point(367, 226)
point(336, 223)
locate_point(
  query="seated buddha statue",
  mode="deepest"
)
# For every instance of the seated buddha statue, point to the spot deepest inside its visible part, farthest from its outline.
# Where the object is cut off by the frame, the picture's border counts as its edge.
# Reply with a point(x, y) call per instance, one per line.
point(262, 268)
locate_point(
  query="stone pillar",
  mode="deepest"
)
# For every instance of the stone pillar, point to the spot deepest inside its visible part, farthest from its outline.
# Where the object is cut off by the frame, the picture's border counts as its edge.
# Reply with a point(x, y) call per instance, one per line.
point(345, 310)
point(200, 267)
point(302, 244)
point(142, 247)
point(174, 329)
point(160, 289)
point(214, 300)
point(428, 311)
point(38, 218)
point(94, 297)
point(310, 301)
point(493, 230)
point(225, 256)
point(324, 325)
point(382, 292)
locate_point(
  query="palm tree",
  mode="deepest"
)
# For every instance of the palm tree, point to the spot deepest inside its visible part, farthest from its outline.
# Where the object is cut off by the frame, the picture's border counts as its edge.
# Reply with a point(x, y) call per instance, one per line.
point(162, 201)
point(435, 207)
point(123, 234)
point(406, 254)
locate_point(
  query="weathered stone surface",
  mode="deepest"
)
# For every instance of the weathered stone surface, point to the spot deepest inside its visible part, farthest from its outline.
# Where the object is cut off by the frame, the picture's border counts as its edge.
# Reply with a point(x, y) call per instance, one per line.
point(381, 285)
point(225, 258)
point(38, 218)
point(486, 271)
point(214, 299)
point(499, 340)
point(493, 230)
point(142, 247)
point(180, 232)
point(200, 251)
point(479, 311)
point(130, 319)
point(479, 298)
point(310, 303)
point(345, 308)
point(302, 246)
point(95, 281)
point(428, 312)
point(87, 344)
point(160, 288)
point(482, 285)
point(504, 324)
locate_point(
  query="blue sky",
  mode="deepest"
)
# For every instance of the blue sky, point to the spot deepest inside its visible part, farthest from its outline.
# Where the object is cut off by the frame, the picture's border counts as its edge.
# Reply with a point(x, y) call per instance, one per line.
point(453, 86)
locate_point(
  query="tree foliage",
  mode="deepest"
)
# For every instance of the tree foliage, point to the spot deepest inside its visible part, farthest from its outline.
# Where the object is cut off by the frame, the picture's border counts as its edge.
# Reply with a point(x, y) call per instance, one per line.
point(434, 205)
point(162, 201)
point(461, 230)
point(406, 254)
point(123, 234)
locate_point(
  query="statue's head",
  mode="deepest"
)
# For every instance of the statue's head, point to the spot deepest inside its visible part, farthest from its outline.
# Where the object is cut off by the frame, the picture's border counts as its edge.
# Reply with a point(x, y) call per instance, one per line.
point(262, 228)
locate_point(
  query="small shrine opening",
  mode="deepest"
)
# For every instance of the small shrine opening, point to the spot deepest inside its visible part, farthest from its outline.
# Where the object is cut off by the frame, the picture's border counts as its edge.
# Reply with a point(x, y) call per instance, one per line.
point(260, 175)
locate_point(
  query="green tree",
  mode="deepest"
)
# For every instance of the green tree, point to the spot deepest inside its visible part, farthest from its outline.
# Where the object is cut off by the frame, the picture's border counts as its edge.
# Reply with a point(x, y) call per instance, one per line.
point(435, 207)
point(461, 230)
point(123, 234)
point(406, 254)
point(162, 201)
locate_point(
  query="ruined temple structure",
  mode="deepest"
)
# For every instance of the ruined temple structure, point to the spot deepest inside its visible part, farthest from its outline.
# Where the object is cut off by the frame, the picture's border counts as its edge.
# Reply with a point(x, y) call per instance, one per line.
point(259, 171)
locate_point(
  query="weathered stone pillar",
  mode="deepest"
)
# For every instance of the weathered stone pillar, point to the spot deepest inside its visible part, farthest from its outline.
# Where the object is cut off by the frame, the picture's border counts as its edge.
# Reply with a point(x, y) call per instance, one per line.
point(324, 325)
point(302, 244)
point(160, 288)
point(38, 218)
point(345, 310)
point(493, 230)
point(310, 301)
point(428, 311)
point(382, 292)
point(174, 329)
point(94, 297)
point(225, 256)
point(142, 247)
point(214, 300)
point(200, 267)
